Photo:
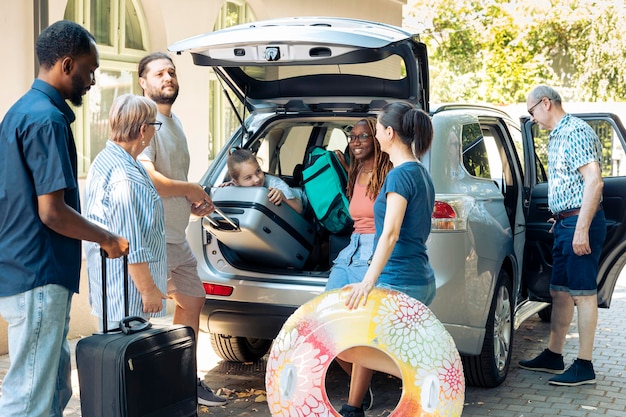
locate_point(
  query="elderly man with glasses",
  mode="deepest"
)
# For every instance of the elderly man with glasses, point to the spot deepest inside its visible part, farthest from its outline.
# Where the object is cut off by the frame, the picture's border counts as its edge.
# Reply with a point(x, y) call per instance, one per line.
point(574, 196)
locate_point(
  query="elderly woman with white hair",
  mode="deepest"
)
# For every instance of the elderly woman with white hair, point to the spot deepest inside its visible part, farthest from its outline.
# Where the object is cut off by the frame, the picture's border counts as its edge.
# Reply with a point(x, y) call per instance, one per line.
point(121, 198)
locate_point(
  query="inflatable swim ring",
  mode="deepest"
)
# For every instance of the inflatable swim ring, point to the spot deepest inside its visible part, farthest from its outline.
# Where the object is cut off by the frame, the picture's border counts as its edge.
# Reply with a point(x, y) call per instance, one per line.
point(402, 327)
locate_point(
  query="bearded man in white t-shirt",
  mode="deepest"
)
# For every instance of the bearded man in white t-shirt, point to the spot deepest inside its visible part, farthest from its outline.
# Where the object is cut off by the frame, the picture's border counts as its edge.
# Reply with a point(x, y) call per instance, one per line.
point(167, 162)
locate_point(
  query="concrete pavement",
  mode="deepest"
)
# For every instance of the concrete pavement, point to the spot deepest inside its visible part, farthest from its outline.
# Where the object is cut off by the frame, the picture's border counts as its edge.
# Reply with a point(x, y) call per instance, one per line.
point(523, 394)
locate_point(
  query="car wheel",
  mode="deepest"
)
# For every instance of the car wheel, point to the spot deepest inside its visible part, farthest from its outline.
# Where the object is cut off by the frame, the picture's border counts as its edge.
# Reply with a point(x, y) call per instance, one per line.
point(546, 314)
point(489, 369)
point(239, 349)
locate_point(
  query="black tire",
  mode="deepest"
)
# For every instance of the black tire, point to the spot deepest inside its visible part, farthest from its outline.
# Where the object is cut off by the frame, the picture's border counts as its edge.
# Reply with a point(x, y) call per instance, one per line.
point(239, 349)
point(546, 314)
point(489, 369)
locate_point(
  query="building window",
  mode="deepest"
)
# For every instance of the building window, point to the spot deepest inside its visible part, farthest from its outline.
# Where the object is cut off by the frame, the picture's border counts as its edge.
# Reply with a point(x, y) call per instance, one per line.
point(223, 119)
point(120, 31)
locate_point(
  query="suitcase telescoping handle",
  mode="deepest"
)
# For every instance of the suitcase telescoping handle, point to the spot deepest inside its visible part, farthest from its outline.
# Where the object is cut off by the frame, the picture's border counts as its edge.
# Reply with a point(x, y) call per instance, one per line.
point(126, 325)
point(216, 224)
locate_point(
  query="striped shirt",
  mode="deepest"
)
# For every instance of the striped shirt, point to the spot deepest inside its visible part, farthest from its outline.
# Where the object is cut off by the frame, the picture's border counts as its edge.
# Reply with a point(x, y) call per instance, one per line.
point(122, 199)
point(572, 144)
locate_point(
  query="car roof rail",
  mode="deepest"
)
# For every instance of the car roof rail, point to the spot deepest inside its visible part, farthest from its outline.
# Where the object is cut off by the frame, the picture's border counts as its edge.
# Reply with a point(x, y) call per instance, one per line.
point(468, 106)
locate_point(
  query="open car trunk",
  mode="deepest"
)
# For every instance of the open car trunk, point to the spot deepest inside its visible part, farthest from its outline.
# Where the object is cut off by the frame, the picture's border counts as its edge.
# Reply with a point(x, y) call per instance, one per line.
point(301, 64)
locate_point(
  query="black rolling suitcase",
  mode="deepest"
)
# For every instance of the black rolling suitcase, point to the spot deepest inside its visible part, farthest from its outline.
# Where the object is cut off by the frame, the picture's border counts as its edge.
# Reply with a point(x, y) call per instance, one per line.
point(137, 370)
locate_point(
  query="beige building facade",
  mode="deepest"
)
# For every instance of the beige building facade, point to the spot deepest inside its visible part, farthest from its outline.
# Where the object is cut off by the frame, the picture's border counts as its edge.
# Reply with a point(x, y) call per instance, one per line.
point(126, 30)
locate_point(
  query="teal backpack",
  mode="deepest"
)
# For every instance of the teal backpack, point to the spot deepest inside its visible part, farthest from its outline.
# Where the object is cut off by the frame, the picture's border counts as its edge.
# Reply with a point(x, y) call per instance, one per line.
point(325, 181)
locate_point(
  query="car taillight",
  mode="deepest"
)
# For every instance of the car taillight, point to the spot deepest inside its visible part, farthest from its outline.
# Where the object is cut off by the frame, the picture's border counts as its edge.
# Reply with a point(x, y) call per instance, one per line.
point(214, 289)
point(450, 212)
point(443, 210)
point(443, 216)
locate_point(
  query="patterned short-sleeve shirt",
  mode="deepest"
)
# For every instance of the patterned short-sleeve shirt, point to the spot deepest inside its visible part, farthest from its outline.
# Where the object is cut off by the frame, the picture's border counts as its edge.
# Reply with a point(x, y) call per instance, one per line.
point(572, 144)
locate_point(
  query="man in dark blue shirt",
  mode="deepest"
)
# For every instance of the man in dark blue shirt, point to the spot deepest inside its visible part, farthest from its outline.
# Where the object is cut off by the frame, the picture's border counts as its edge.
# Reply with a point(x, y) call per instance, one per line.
point(40, 224)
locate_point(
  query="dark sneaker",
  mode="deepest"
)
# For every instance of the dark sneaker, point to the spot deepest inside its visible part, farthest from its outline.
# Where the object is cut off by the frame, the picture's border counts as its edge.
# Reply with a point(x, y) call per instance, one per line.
point(368, 400)
point(207, 397)
point(579, 373)
point(349, 411)
point(546, 361)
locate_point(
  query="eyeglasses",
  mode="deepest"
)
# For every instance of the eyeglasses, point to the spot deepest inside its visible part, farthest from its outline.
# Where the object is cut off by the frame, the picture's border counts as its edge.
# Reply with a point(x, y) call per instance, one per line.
point(531, 111)
point(362, 137)
point(157, 125)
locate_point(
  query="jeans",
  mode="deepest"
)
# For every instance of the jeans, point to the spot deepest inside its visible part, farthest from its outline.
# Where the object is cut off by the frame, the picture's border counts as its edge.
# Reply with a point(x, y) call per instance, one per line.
point(352, 262)
point(38, 381)
point(423, 293)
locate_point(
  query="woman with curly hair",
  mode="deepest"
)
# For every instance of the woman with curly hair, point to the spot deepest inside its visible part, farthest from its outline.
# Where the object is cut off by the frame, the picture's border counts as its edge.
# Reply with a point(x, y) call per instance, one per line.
point(366, 173)
point(402, 213)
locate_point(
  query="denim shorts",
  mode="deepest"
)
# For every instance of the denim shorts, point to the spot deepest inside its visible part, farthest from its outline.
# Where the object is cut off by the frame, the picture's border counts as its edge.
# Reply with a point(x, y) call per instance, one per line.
point(570, 272)
point(352, 262)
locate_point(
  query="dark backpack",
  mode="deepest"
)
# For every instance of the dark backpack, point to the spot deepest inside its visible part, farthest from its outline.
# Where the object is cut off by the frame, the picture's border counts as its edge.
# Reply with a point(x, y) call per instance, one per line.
point(325, 181)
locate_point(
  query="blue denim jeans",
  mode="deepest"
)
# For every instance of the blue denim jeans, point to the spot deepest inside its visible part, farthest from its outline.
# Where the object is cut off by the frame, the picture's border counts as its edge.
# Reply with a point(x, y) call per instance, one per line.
point(38, 381)
point(423, 293)
point(352, 262)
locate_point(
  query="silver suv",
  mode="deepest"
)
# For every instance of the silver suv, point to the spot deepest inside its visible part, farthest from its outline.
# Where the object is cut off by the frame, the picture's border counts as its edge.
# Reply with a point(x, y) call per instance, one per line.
point(305, 82)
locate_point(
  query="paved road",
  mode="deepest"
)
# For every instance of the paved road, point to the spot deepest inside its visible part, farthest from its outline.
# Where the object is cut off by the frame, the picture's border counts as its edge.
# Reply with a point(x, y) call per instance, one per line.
point(523, 394)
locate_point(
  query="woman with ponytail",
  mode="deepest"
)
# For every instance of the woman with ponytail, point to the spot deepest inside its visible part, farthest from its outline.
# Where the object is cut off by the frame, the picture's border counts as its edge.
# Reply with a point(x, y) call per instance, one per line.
point(402, 213)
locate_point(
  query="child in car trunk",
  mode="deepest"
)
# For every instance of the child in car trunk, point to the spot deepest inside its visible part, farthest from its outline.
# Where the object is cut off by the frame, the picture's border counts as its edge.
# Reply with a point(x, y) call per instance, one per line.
point(245, 171)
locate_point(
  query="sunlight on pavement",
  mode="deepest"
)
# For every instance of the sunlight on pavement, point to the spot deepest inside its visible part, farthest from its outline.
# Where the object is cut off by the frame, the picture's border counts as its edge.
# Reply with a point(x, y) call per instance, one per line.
point(207, 358)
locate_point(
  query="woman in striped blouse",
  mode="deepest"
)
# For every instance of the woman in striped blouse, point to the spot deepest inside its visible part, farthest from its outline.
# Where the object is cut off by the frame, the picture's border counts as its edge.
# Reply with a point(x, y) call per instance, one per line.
point(121, 198)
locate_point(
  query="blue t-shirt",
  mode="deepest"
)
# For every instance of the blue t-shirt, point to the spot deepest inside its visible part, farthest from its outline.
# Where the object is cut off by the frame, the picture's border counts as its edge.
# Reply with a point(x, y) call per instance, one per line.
point(408, 263)
point(37, 157)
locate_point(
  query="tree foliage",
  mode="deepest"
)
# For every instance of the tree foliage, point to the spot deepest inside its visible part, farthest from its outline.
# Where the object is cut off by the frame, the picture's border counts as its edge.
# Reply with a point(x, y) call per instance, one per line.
point(497, 50)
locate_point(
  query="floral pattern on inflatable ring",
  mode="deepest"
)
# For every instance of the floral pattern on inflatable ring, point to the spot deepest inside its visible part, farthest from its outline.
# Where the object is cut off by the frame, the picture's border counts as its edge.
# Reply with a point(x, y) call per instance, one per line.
point(433, 381)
